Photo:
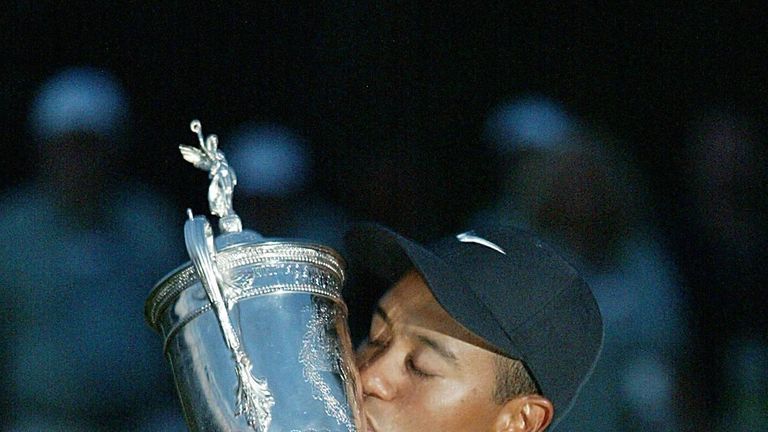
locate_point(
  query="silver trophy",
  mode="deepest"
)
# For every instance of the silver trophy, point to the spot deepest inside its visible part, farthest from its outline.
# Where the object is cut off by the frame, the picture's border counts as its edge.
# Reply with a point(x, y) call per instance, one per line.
point(255, 329)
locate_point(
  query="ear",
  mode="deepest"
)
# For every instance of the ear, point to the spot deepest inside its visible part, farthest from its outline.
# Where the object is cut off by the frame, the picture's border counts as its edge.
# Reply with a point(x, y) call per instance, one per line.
point(530, 413)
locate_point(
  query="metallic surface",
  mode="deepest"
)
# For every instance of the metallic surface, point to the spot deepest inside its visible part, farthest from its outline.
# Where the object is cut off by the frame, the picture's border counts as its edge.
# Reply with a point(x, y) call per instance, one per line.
point(286, 306)
point(223, 179)
point(256, 331)
point(254, 400)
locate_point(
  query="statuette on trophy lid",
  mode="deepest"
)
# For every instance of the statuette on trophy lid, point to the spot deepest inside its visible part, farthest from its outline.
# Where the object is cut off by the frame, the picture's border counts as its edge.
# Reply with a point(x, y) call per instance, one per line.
point(223, 180)
point(255, 329)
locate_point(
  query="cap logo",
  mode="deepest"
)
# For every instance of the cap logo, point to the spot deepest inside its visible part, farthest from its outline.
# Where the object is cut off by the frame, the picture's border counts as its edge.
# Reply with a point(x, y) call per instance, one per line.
point(470, 237)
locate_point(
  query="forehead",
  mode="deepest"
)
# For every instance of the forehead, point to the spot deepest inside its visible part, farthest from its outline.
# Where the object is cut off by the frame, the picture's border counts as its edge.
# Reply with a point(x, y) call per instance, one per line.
point(410, 303)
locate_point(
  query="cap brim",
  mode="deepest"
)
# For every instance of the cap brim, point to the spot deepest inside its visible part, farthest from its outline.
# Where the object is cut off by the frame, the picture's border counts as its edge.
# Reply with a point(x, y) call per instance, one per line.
point(378, 251)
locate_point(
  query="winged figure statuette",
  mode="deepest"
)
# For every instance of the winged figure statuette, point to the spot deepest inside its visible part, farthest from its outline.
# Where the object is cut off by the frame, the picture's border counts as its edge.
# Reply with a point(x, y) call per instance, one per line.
point(223, 180)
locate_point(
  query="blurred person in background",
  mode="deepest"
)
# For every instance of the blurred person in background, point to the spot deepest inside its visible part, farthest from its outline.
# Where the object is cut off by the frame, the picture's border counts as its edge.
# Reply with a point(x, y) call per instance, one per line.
point(275, 174)
point(561, 181)
point(722, 235)
point(80, 248)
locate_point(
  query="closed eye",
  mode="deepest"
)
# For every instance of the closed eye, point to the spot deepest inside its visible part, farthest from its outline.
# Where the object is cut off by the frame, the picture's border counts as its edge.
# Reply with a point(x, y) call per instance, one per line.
point(417, 371)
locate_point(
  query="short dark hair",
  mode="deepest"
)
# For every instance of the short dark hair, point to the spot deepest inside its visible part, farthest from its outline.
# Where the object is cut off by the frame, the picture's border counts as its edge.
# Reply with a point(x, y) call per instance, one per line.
point(512, 380)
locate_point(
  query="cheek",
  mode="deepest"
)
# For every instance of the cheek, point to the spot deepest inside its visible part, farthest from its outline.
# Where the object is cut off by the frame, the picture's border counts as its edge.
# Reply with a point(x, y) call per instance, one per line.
point(450, 406)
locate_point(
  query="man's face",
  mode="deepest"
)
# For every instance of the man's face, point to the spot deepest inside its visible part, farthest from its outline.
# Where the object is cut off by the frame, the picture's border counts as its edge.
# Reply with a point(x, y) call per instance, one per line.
point(418, 371)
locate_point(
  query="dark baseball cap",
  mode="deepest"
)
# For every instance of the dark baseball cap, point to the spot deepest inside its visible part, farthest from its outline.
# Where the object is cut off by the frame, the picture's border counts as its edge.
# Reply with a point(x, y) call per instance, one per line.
point(506, 286)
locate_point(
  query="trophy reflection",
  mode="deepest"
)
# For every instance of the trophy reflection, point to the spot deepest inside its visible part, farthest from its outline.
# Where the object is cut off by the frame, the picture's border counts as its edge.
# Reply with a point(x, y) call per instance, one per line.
point(255, 329)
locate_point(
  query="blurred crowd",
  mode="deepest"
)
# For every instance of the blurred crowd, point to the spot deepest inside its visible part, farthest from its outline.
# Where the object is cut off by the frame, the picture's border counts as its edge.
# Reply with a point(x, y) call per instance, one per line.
point(84, 239)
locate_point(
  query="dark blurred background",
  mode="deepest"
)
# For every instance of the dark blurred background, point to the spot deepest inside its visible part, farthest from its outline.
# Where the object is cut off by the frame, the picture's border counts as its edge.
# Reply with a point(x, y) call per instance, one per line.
point(631, 135)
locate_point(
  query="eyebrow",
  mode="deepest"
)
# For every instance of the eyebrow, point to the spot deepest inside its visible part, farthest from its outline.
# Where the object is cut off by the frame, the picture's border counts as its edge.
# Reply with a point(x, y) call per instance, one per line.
point(439, 348)
point(430, 343)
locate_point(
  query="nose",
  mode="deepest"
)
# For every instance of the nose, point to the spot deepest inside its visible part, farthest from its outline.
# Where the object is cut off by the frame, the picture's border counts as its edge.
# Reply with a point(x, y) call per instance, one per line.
point(378, 372)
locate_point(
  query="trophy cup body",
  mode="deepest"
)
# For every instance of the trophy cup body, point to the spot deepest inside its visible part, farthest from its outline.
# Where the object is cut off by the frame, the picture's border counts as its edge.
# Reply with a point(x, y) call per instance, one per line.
point(255, 331)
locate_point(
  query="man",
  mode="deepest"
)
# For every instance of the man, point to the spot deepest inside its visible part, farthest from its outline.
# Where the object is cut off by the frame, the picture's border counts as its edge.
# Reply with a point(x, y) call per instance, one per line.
point(74, 248)
point(489, 330)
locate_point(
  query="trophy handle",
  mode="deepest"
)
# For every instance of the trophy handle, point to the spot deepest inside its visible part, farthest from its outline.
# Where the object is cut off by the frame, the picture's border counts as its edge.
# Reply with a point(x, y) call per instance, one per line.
point(254, 400)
